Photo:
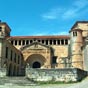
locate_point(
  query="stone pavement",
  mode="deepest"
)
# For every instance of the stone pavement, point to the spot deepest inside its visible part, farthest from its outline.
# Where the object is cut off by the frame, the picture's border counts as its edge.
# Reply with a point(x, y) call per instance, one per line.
point(83, 84)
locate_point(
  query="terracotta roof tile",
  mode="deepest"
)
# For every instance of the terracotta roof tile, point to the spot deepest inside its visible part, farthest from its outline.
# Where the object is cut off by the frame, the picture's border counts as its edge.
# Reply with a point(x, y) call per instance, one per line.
point(40, 37)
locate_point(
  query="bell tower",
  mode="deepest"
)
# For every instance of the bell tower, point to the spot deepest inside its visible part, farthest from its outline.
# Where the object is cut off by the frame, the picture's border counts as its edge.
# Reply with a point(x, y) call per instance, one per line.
point(76, 42)
point(4, 30)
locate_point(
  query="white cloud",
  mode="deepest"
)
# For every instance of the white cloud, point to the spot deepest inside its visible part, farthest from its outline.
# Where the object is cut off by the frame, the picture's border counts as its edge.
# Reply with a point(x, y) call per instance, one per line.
point(54, 33)
point(49, 16)
point(69, 14)
point(73, 11)
point(52, 14)
point(61, 33)
point(80, 3)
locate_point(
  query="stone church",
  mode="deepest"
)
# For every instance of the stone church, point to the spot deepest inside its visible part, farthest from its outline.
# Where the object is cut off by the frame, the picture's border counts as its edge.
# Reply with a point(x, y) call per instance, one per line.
point(44, 52)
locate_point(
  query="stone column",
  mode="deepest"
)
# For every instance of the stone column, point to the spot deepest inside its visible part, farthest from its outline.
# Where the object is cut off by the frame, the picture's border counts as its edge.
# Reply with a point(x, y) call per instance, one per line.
point(60, 41)
point(44, 42)
point(48, 42)
point(56, 42)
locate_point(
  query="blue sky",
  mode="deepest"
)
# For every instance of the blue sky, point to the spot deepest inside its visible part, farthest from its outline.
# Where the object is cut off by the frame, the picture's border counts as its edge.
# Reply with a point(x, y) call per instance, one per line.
point(42, 17)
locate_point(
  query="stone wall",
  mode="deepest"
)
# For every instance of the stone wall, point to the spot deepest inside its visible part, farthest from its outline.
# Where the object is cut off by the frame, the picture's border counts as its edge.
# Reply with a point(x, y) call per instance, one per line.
point(60, 75)
point(86, 57)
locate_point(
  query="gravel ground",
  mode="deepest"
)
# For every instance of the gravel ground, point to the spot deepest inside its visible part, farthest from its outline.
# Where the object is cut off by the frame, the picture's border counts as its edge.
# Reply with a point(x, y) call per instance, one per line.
point(83, 84)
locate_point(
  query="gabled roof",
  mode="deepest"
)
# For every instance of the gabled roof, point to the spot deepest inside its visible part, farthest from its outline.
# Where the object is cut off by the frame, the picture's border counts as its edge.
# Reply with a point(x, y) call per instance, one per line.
point(35, 43)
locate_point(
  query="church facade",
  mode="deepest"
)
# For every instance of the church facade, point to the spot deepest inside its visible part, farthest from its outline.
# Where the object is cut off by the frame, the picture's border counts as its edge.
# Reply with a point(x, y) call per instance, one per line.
point(44, 52)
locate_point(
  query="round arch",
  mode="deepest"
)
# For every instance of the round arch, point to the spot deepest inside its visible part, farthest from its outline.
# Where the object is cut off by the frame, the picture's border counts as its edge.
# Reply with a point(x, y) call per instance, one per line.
point(36, 61)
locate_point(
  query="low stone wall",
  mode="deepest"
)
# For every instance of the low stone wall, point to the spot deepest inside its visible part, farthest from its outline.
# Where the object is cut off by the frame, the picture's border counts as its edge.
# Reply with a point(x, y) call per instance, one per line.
point(2, 72)
point(62, 75)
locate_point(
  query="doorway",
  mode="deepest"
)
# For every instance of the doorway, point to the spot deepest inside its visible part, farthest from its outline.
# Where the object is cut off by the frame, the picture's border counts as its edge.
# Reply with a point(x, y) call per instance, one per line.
point(36, 65)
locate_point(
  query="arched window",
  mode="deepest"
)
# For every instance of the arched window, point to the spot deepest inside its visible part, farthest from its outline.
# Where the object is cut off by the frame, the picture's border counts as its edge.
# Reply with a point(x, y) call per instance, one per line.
point(50, 42)
point(74, 33)
point(62, 42)
point(66, 41)
point(6, 52)
point(19, 42)
point(54, 41)
point(27, 42)
point(11, 55)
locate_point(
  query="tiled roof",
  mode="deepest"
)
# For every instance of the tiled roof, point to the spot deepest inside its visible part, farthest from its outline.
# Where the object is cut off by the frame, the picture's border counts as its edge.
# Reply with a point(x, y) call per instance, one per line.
point(76, 23)
point(40, 37)
point(4, 23)
point(76, 29)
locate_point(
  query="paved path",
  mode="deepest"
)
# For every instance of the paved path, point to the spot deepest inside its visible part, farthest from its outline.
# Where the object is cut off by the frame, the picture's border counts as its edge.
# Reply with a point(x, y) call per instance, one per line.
point(83, 84)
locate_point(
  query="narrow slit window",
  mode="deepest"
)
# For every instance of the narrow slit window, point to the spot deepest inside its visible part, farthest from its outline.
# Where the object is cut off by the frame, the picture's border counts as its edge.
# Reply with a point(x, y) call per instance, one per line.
point(6, 52)
point(18, 59)
point(15, 58)
point(0, 28)
point(11, 55)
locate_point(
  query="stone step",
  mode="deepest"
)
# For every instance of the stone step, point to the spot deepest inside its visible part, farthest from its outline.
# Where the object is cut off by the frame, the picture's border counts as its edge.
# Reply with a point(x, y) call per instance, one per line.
point(16, 81)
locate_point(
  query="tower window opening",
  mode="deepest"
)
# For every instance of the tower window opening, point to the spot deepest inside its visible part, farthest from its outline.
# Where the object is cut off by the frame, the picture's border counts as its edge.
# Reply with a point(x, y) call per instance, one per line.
point(74, 33)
